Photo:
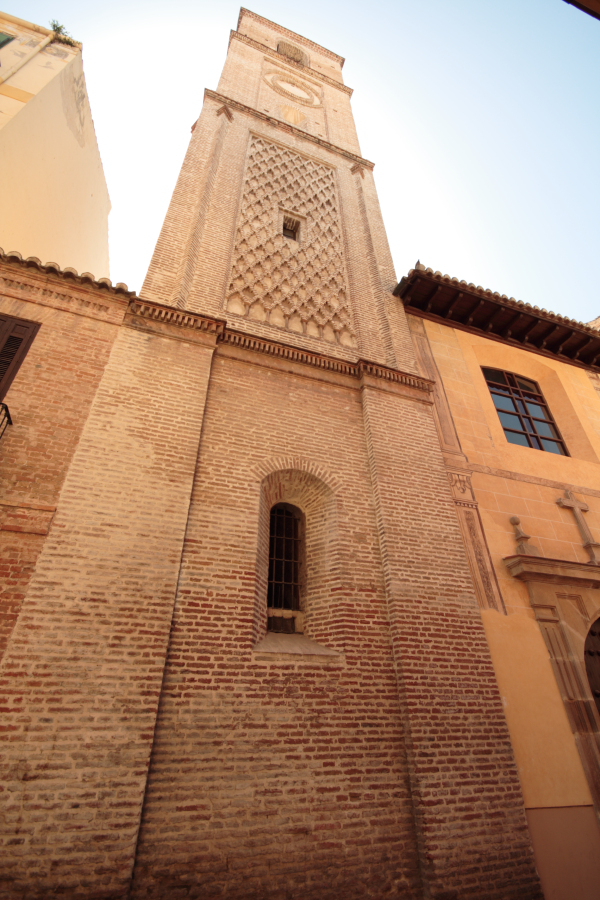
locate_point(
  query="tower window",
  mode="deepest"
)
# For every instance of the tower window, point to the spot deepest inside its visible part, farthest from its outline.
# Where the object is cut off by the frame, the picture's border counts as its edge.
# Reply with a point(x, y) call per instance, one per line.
point(523, 412)
point(285, 564)
point(291, 228)
point(292, 52)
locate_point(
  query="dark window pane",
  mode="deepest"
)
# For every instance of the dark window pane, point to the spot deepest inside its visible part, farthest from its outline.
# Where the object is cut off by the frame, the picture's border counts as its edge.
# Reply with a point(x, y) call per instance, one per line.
point(553, 447)
point(528, 425)
point(284, 562)
point(5, 39)
point(515, 438)
point(510, 421)
point(503, 402)
point(494, 375)
point(546, 429)
point(536, 410)
point(526, 385)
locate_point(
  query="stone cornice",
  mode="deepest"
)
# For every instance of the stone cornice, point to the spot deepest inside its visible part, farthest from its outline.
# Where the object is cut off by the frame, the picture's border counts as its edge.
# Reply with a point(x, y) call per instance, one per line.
point(290, 34)
point(553, 571)
point(285, 126)
point(285, 60)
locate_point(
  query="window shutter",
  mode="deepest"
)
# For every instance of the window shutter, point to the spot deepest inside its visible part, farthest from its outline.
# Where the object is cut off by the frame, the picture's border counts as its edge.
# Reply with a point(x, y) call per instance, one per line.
point(16, 336)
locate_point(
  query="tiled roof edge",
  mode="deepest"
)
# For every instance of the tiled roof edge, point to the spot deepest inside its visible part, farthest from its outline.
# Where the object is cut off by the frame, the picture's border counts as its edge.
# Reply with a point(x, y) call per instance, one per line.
point(32, 262)
point(494, 295)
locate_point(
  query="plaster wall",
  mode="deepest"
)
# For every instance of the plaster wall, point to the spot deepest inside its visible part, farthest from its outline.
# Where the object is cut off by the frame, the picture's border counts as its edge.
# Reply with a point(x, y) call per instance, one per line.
point(55, 202)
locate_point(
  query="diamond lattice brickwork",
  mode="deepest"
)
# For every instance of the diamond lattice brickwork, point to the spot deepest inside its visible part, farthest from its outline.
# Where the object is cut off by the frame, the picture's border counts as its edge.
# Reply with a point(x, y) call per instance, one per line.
point(295, 284)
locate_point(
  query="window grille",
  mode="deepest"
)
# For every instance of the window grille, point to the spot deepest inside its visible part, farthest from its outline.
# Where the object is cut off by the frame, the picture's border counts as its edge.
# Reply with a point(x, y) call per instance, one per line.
point(523, 412)
point(285, 558)
point(291, 228)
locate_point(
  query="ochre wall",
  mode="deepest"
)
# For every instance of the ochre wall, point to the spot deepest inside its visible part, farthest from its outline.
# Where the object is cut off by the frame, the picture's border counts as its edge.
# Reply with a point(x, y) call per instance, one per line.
point(510, 480)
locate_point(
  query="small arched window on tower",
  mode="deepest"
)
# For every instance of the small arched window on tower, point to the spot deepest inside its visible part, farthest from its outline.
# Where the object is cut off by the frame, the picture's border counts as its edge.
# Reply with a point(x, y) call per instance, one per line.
point(292, 52)
point(592, 660)
point(286, 569)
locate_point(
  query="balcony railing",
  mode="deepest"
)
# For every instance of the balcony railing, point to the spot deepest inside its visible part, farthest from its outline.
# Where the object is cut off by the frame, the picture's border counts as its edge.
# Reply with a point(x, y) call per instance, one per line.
point(5, 418)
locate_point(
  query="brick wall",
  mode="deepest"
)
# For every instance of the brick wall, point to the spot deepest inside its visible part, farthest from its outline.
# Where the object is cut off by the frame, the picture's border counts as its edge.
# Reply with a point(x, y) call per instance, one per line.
point(282, 777)
point(49, 402)
point(83, 670)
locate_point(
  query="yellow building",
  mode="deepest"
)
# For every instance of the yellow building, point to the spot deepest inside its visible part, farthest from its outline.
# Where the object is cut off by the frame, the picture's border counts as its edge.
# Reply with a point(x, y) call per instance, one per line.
point(518, 415)
point(55, 202)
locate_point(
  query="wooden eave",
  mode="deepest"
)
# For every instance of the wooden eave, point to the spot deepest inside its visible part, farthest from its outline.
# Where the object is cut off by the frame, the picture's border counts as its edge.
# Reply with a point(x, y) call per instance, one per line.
point(591, 7)
point(441, 298)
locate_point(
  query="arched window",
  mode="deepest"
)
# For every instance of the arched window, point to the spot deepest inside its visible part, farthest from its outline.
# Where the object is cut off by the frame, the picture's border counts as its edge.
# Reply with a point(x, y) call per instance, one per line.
point(592, 660)
point(286, 564)
point(525, 416)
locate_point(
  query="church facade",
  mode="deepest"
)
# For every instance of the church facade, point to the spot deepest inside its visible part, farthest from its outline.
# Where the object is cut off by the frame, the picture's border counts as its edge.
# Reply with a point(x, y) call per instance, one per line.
point(290, 608)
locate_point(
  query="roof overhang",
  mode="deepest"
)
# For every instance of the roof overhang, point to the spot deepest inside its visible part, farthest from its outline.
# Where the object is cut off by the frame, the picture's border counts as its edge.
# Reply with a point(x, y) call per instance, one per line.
point(441, 298)
point(591, 7)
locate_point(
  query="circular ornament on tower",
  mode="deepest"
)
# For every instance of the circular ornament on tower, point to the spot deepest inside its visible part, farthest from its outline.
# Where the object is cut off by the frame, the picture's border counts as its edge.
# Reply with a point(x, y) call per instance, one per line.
point(293, 88)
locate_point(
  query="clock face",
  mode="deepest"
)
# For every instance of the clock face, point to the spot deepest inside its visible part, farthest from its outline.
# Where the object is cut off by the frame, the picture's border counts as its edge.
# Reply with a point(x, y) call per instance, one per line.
point(293, 88)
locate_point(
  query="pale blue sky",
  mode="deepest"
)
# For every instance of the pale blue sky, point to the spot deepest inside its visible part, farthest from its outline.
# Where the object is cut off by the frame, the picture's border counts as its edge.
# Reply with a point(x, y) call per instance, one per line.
point(483, 119)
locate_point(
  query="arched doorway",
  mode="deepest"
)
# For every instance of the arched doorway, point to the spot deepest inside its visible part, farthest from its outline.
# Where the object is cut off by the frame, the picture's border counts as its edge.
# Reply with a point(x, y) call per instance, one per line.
point(592, 660)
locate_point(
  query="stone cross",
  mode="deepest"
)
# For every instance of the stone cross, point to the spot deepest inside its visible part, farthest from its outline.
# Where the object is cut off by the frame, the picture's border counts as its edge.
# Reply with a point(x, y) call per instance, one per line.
point(578, 508)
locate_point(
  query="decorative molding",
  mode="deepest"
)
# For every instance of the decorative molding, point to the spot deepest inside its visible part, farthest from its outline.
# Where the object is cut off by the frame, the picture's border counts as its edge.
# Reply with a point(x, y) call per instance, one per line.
point(320, 361)
point(273, 79)
point(280, 57)
point(394, 375)
point(224, 110)
point(578, 602)
point(285, 351)
point(357, 169)
point(170, 315)
point(285, 126)
point(532, 479)
point(477, 553)
point(297, 38)
point(552, 571)
point(524, 548)
point(460, 483)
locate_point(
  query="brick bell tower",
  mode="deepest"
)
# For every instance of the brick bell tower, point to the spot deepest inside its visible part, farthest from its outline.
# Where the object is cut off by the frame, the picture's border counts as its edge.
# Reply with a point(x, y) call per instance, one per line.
point(256, 596)
point(367, 753)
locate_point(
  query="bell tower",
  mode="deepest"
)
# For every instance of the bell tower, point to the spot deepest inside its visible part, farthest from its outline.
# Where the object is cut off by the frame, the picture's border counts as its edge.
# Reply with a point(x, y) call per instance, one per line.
point(274, 223)
point(250, 662)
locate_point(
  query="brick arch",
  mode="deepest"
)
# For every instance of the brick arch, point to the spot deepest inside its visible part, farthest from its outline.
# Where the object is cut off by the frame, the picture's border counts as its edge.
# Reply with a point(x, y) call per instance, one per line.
point(299, 464)
point(304, 487)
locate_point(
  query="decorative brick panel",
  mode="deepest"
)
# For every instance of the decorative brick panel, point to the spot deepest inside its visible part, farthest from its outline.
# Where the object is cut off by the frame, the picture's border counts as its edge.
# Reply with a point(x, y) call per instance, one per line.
point(300, 285)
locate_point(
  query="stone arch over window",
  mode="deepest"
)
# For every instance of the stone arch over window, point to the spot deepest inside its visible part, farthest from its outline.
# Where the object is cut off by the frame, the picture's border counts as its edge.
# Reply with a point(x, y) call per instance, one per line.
point(292, 52)
point(317, 507)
